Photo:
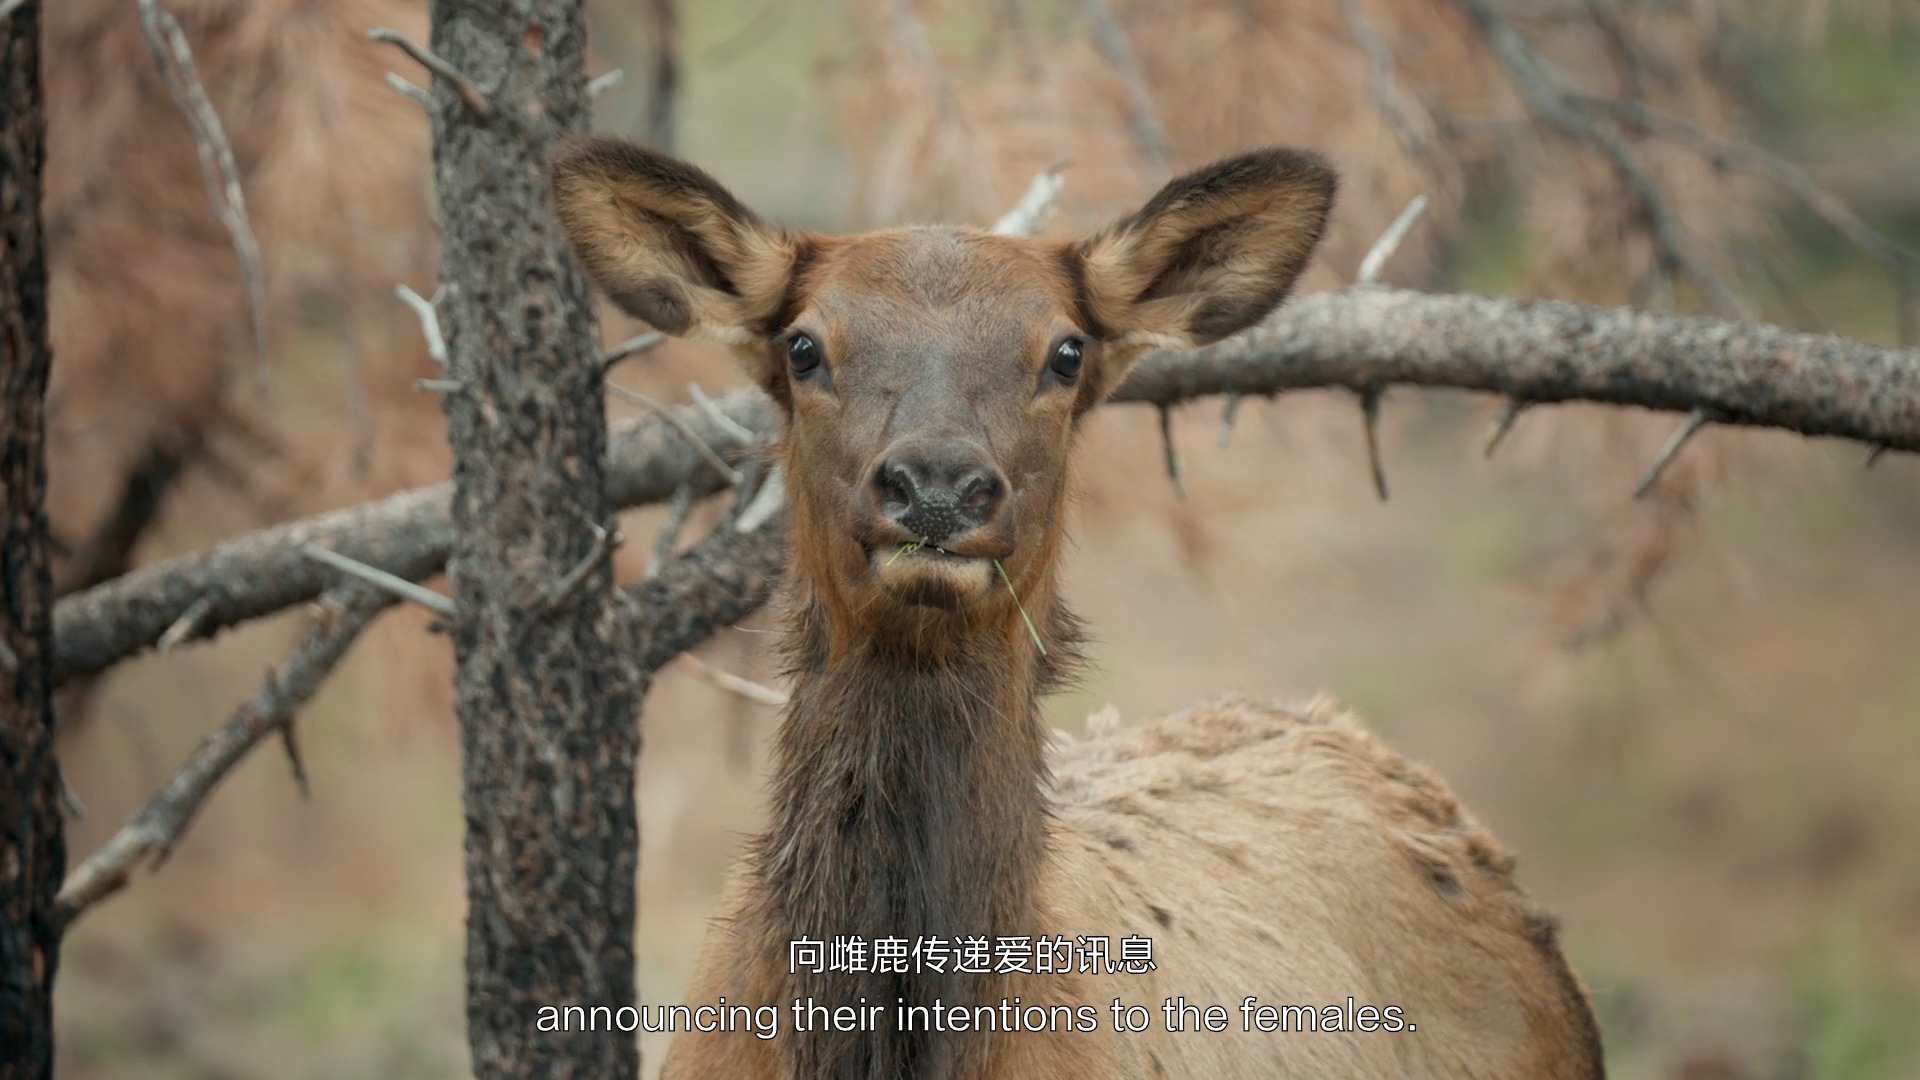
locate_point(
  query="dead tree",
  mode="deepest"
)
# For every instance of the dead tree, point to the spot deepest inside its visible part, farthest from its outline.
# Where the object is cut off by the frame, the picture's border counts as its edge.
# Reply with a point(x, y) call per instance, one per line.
point(33, 853)
point(546, 701)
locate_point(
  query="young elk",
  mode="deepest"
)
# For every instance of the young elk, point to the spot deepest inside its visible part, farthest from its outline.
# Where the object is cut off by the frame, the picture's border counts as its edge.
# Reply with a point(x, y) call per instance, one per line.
point(932, 380)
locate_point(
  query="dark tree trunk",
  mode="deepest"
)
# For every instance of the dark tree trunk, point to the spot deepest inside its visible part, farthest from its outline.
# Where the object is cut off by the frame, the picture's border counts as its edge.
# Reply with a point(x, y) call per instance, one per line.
point(547, 702)
point(33, 853)
point(663, 90)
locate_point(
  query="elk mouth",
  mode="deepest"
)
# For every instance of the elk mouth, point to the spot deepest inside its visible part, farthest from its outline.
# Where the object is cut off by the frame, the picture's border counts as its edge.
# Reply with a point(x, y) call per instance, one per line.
point(925, 574)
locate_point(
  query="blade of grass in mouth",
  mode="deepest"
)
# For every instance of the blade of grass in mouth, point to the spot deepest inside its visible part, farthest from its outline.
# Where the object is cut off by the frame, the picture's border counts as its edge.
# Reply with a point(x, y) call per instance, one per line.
point(1041, 645)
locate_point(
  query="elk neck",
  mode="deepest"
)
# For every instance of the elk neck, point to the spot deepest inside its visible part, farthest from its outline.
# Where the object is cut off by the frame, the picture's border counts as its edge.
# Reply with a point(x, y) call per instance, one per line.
point(908, 801)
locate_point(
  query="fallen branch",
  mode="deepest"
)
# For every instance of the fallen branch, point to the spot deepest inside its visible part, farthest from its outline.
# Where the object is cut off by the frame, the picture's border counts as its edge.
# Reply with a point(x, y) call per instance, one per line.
point(157, 827)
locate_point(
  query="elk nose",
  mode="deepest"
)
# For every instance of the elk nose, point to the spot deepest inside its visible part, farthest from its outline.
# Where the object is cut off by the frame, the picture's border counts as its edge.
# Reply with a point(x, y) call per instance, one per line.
point(939, 491)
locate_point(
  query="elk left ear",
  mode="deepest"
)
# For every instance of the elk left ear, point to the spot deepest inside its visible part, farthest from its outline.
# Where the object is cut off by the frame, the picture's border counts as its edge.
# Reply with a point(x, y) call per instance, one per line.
point(668, 243)
point(1211, 254)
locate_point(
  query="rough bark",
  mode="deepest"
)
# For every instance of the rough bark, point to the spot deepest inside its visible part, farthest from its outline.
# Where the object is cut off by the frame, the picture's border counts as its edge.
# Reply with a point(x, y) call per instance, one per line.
point(546, 701)
point(33, 854)
point(723, 579)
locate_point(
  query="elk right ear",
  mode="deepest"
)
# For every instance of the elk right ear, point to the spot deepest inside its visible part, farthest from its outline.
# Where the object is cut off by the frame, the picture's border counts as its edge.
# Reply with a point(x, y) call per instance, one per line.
point(668, 244)
point(1211, 254)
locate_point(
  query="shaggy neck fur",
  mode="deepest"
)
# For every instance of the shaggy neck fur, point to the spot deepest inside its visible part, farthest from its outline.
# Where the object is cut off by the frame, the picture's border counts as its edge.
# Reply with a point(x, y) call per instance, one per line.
point(908, 802)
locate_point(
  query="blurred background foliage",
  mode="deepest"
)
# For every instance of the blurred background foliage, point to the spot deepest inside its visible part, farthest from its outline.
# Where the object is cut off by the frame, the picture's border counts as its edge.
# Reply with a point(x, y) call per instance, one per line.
point(1695, 716)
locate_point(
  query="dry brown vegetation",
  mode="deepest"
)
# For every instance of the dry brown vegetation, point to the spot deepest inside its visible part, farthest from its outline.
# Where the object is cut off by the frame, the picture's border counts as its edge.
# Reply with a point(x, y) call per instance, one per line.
point(1704, 780)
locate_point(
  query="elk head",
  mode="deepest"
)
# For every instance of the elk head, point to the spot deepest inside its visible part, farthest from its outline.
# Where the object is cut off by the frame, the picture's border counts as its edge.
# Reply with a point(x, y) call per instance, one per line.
point(932, 378)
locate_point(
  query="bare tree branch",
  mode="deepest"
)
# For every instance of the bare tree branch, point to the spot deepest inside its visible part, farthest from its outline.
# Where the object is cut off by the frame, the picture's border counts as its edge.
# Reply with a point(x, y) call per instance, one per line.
point(734, 684)
point(429, 324)
point(663, 91)
point(768, 501)
point(1390, 241)
point(407, 535)
point(600, 84)
point(185, 627)
point(1547, 97)
point(409, 90)
point(605, 542)
point(1370, 422)
point(1112, 41)
point(1901, 262)
point(1171, 454)
point(469, 94)
point(174, 57)
point(663, 545)
point(633, 346)
point(720, 419)
point(398, 586)
point(1387, 94)
point(1502, 424)
point(1732, 154)
point(1370, 270)
point(1696, 420)
point(1550, 351)
point(721, 580)
point(707, 453)
point(157, 827)
point(1541, 353)
point(1031, 211)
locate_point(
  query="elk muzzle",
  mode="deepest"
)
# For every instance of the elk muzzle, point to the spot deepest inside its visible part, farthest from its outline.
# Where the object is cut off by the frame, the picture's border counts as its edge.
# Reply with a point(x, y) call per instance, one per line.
point(937, 492)
point(939, 514)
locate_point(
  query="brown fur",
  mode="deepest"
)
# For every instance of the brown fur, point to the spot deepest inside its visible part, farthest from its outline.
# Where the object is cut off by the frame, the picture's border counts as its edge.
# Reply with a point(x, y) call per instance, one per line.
point(1268, 853)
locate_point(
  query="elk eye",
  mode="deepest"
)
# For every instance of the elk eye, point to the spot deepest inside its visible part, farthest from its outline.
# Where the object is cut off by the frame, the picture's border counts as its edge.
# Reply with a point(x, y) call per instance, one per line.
point(1067, 357)
point(803, 354)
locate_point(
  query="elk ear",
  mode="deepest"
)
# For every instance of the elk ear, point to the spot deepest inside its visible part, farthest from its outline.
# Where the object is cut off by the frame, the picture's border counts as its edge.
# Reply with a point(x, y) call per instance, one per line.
point(668, 244)
point(1211, 254)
